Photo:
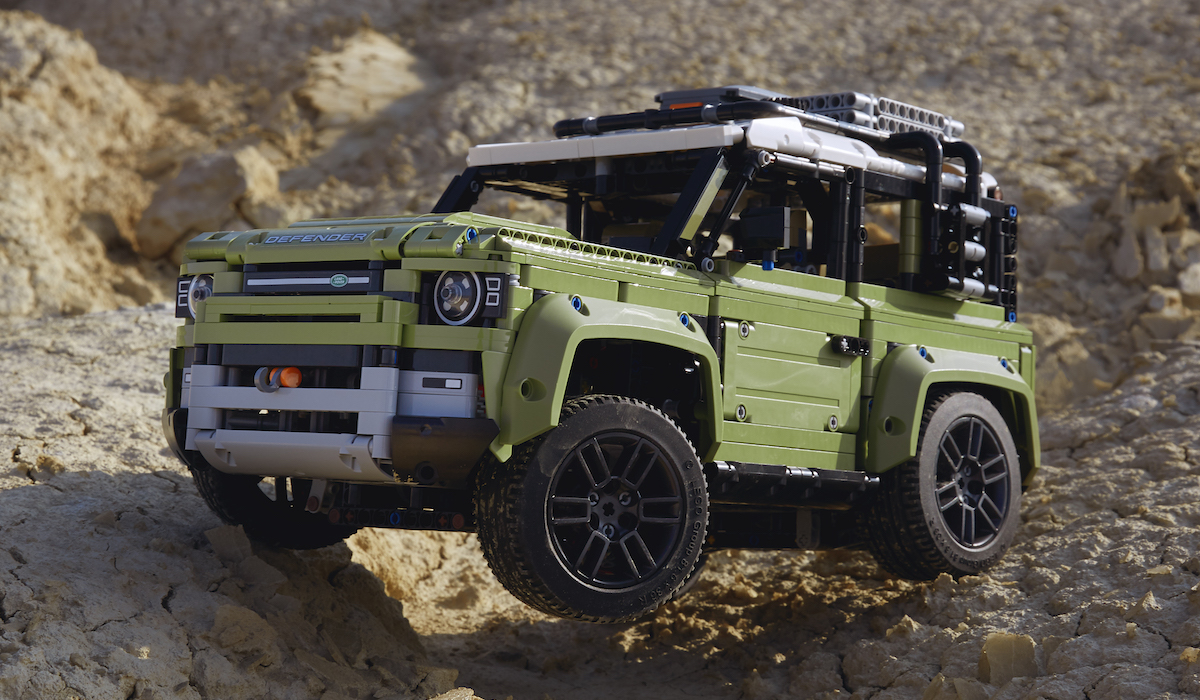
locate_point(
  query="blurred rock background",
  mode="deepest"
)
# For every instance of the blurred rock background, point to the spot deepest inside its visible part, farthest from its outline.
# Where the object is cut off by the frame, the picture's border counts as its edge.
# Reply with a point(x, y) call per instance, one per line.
point(127, 126)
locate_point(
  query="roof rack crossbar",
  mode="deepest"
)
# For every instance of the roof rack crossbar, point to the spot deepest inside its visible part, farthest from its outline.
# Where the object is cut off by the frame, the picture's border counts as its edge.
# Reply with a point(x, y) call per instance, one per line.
point(708, 114)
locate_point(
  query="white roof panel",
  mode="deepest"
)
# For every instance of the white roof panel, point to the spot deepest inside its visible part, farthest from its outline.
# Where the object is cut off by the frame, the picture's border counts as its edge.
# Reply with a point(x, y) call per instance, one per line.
point(621, 143)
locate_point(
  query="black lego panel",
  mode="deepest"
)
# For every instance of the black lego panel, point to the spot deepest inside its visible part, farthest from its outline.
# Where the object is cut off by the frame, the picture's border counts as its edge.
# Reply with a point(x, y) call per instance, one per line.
point(293, 355)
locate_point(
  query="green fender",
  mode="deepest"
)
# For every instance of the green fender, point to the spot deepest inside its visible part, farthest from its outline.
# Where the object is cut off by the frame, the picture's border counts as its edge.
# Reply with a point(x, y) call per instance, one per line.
point(551, 330)
point(904, 381)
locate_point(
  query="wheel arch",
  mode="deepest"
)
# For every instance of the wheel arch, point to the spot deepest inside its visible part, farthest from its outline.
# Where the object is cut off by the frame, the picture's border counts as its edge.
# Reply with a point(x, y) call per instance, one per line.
point(551, 332)
point(907, 379)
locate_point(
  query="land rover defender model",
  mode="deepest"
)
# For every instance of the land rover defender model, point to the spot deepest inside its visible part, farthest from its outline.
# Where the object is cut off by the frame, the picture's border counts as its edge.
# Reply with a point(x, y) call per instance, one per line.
point(767, 322)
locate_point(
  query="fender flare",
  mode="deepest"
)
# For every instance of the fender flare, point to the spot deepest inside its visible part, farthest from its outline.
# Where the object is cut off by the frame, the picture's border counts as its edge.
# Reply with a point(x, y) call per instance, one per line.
point(534, 384)
point(905, 378)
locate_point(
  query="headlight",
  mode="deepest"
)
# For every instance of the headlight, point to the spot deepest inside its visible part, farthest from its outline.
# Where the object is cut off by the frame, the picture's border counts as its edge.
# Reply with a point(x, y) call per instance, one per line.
point(456, 297)
point(199, 288)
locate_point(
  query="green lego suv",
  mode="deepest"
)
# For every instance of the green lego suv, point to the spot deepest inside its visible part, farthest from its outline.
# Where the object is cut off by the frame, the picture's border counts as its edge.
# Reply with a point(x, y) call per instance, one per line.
point(767, 322)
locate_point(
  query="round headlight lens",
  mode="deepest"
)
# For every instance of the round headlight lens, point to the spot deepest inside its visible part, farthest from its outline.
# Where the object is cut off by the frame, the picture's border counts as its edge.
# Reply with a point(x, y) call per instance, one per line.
point(199, 289)
point(456, 297)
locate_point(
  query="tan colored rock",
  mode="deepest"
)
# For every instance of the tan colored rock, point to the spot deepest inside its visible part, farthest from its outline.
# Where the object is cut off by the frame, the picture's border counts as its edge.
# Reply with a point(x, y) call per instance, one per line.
point(1007, 656)
point(1157, 215)
point(1166, 325)
point(70, 130)
point(204, 196)
point(1157, 257)
point(1185, 248)
point(1127, 260)
point(1166, 300)
point(1189, 284)
point(369, 73)
point(942, 688)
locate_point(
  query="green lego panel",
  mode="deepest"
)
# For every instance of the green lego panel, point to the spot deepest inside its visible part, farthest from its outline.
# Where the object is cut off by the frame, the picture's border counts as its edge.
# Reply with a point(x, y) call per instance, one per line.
point(789, 377)
point(535, 383)
point(765, 444)
point(904, 383)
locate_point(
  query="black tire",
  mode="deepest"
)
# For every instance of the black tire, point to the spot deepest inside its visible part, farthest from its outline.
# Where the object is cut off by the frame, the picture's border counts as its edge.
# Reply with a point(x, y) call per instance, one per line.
point(238, 499)
point(563, 521)
point(955, 507)
point(694, 578)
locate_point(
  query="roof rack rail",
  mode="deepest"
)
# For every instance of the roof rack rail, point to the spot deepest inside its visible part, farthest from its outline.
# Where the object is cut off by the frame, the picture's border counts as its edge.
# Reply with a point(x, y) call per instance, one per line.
point(852, 113)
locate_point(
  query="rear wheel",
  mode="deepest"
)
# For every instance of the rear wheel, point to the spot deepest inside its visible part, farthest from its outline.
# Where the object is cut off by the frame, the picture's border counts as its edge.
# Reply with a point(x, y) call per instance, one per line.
point(601, 519)
point(954, 508)
point(271, 511)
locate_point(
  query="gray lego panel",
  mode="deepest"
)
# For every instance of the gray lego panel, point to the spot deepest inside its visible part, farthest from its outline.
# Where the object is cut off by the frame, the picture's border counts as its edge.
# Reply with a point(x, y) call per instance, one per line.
point(298, 399)
point(305, 455)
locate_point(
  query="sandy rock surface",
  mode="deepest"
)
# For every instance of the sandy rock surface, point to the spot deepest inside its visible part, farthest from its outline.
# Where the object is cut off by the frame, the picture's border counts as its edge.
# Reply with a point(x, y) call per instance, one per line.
point(115, 579)
point(128, 125)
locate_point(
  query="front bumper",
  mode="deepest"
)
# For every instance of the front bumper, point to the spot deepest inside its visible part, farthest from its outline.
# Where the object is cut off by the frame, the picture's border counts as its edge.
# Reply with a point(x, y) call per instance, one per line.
point(408, 425)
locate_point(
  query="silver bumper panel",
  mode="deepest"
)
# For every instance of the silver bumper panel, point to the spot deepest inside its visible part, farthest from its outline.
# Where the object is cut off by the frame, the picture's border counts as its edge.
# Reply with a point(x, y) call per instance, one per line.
point(337, 457)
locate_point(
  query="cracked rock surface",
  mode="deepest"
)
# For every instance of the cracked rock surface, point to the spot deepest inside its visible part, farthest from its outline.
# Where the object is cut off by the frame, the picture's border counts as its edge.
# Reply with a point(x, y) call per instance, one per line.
point(115, 579)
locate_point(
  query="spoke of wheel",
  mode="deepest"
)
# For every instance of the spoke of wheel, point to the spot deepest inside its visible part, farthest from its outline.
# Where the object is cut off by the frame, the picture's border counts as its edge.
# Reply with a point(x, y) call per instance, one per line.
point(976, 444)
point(986, 504)
point(599, 560)
point(944, 503)
point(641, 549)
point(967, 531)
point(640, 462)
point(570, 501)
point(629, 558)
point(658, 519)
point(596, 462)
point(956, 458)
point(1000, 473)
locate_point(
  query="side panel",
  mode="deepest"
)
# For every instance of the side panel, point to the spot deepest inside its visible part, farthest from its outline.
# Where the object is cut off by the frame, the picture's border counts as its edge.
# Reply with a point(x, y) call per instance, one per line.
point(535, 381)
point(789, 398)
point(905, 377)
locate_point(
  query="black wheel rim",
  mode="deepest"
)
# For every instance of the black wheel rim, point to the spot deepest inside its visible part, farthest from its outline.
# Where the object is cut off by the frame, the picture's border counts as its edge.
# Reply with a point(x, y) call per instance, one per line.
point(973, 490)
point(615, 511)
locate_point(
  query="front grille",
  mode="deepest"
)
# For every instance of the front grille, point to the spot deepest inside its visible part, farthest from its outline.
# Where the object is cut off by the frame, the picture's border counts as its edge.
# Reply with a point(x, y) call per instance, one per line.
point(237, 318)
point(310, 377)
point(342, 277)
point(292, 421)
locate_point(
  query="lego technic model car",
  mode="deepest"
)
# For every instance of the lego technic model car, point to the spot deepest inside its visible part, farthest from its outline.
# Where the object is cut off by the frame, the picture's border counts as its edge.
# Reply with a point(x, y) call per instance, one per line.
point(724, 346)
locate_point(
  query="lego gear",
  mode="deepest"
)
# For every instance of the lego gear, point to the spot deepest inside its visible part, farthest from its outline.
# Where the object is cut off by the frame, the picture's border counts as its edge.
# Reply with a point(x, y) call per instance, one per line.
point(954, 507)
point(602, 518)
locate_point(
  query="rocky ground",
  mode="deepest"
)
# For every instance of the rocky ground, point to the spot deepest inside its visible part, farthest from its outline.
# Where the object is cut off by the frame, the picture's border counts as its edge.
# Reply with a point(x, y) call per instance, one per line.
point(128, 125)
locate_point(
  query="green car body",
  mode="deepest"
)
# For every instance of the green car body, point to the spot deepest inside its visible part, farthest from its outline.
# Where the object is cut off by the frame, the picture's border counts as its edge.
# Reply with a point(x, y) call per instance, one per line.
point(765, 370)
point(784, 372)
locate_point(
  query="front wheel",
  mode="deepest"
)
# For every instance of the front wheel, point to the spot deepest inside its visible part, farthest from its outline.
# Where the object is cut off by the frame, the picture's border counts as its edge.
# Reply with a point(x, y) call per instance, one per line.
point(954, 507)
point(601, 519)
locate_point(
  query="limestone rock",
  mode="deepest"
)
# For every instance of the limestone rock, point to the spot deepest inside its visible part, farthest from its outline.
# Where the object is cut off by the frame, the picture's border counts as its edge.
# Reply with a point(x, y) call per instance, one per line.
point(368, 73)
point(68, 128)
point(1157, 257)
point(1006, 656)
point(204, 196)
point(1148, 215)
point(1127, 260)
point(1189, 284)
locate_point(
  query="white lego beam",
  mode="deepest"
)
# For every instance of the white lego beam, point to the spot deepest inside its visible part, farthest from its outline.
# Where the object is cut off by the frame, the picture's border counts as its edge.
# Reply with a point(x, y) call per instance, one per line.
point(620, 143)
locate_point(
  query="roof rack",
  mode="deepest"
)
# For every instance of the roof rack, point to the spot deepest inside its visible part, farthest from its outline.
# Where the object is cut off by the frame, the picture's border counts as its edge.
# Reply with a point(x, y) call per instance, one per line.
point(851, 113)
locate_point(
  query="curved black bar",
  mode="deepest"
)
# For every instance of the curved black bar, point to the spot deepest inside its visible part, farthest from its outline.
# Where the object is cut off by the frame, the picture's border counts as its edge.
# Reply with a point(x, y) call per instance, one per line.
point(931, 146)
point(974, 166)
point(658, 118)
